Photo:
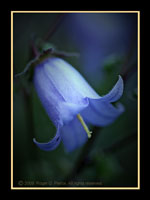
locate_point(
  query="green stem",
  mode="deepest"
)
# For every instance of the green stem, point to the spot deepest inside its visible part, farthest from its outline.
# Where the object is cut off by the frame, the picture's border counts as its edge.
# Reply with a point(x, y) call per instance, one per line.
point(54, 27)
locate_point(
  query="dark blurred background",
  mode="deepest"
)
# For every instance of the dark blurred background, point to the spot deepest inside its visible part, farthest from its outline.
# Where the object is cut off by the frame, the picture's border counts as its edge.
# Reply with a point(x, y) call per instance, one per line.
point(107, 44)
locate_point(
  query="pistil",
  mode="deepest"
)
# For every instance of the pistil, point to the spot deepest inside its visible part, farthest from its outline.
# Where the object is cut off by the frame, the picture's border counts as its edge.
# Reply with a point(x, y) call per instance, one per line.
point(84, 125)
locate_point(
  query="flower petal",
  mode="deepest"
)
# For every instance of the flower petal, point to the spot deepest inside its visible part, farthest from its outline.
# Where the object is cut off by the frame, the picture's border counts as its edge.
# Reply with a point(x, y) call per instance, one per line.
point(48, 94)
point(116, 91)
point(69, 110)
point(51, 145)
point(52, 94)
point(73, 135)
point(68, 81)
point(101, 113)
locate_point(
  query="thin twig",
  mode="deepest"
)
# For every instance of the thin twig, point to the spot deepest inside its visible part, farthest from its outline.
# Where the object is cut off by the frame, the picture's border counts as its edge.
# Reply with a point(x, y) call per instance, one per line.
point(54, 27)
point(34, 50)
point(65, 54)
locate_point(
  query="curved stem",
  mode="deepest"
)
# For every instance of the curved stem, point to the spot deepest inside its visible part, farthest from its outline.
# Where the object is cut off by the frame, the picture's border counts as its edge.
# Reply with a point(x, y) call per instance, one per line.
point(54, 27)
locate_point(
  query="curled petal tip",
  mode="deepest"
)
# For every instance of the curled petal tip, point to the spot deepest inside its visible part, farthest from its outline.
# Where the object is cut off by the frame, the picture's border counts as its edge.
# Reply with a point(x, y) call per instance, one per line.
point(120, 78)
point(116, 91)
point(51, 145)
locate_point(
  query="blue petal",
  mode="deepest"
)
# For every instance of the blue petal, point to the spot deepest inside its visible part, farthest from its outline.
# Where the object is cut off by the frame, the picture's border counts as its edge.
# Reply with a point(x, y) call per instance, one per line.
point(116, 92)
point(73, 135)
point(56, 96)
point(101, 112)
point(48, 94)
point(69, 110)
point(68, 81)
point(51, 145)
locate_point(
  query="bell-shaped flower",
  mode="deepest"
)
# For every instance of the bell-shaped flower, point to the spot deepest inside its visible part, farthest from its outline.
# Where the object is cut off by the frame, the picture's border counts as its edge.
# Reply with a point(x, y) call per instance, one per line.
point(71, 102)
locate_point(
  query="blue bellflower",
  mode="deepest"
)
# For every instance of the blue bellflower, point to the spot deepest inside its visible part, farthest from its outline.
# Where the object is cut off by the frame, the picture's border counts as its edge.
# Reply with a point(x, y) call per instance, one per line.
point(71, 102)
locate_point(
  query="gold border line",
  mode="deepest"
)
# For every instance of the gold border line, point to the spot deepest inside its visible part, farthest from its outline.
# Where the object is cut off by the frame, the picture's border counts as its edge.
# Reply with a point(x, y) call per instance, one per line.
point(138, 100)
point(11, 100)
point(76, 188)
point(58, 11)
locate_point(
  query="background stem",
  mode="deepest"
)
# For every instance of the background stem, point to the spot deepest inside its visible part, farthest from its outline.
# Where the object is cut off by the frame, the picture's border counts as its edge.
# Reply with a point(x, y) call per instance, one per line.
point(54, 26)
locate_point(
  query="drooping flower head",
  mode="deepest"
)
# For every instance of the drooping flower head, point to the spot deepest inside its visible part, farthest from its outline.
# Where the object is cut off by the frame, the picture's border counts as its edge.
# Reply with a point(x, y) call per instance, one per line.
point(71, 103)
